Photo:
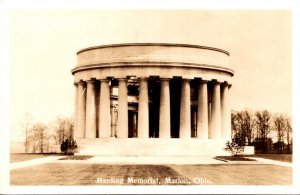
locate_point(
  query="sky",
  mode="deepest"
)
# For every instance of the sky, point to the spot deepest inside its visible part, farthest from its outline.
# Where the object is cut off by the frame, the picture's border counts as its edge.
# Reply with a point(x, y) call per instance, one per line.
point(43, 46)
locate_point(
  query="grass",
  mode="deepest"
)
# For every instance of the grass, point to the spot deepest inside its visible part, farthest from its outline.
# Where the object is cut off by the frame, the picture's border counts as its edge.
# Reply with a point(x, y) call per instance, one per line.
point(240, 174)
point(76, 157)
point(279, 157)
point(89, 174)
point(233, 158)
point(18, 157)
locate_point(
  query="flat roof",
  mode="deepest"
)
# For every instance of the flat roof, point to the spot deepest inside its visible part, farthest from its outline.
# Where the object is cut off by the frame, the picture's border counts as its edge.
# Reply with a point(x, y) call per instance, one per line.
point(154, 44)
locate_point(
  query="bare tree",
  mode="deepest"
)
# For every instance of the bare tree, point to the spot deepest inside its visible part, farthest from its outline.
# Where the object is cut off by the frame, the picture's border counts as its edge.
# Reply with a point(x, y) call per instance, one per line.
point(63, 128)
point(279, 128)
point(39, 136)
point(263, 122)
point(26, 124)
point(288, 130)
point(242, 126)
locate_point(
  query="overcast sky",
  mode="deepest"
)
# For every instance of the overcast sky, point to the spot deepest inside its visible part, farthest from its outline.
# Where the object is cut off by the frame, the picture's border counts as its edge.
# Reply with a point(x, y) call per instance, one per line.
point(43, 46)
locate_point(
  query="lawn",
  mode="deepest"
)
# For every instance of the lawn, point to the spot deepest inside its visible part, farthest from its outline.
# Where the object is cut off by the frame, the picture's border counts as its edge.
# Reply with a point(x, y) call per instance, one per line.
point(242, 174)
point(18, 157)
point(279, 157)
point(97, 174)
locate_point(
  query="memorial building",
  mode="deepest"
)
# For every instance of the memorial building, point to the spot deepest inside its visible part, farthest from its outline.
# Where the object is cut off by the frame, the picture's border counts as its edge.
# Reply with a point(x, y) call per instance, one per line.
point(152, 99)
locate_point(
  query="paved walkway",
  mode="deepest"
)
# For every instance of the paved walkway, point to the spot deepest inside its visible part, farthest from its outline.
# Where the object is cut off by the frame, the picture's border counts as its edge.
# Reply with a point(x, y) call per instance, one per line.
point(37, 161)
point(144, 160)
point(273, 162)
point(156, 160)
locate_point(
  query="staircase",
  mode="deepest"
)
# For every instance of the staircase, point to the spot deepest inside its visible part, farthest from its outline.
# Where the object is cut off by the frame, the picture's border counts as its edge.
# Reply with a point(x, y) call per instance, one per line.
point(150, 147)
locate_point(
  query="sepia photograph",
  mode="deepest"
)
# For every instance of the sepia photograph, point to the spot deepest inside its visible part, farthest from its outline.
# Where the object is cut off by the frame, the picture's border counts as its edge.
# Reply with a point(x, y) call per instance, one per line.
point(113, 98)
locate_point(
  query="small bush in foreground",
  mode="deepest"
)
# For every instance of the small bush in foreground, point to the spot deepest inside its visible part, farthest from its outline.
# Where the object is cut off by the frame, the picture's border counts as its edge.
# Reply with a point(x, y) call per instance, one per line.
point(68, 146)
point(234, 148)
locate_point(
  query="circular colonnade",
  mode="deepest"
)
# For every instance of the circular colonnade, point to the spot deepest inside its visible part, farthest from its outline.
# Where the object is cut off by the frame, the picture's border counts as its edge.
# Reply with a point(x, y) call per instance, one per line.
point(159, 90)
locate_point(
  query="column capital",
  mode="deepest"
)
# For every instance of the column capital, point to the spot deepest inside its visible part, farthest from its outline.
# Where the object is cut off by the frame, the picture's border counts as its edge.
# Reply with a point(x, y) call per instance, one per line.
point(186, 79)
point(165, 79)
point(122, 79)
point(104, 80)
point(143, 78)
point(225, 84)
point(80, 83)
point(204, 81)
point(215, 81)
point(90, 81)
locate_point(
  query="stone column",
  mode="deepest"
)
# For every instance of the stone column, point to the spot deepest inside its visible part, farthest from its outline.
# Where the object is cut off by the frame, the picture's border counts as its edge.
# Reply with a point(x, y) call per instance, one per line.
point(209, 120)
point(114, 117)
point(90, 110)
point(81, 106)
point(202, 117)
point(185, 110)
point(164, 109)
point(225, 110)
point(143, 109)
point(122, 131)
point(215, 123)
point(104, 110)
point(75, 132)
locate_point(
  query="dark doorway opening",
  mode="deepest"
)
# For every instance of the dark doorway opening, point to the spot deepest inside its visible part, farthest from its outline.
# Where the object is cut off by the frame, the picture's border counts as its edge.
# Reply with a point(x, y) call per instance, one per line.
point(154, 99)
point(175, 91)
point(132, 123)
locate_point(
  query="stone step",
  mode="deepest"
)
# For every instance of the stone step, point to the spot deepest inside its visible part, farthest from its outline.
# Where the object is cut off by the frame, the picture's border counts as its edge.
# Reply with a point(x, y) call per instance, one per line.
point(150, 147)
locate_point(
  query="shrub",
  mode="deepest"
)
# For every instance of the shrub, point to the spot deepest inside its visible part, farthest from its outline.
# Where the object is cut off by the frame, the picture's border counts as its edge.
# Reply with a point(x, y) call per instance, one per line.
point(68, 146)
point(234, 148)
